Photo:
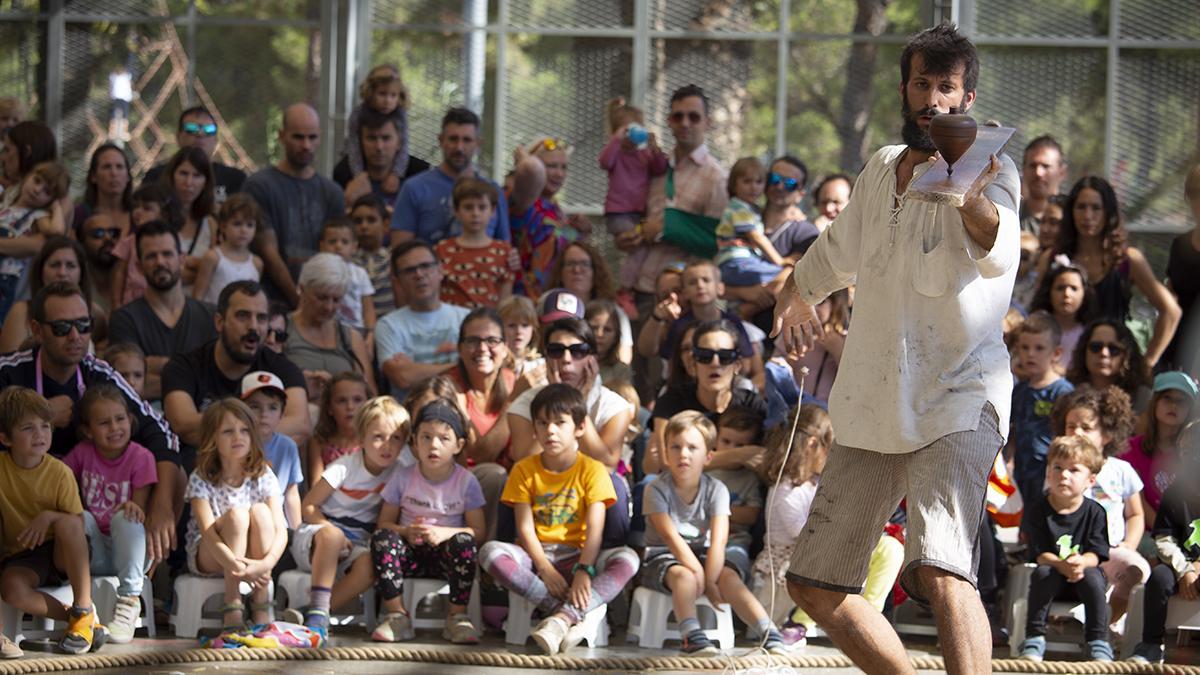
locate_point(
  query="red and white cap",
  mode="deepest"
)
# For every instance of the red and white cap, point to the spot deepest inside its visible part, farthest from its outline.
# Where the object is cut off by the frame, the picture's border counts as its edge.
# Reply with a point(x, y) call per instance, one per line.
point(261, 379)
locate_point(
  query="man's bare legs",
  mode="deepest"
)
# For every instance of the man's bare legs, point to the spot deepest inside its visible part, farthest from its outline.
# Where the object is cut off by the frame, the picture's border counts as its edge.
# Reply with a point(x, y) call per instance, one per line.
point(855, 627)
point(961, 621)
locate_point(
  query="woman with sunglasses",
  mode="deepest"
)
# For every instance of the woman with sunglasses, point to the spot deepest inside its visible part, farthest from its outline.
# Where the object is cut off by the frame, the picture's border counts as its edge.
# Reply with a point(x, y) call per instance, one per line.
point(1093, 237)
point(540, 230)
point(783, 222)
point(712, 392)
point(1107, 354)
point(486, 387)
point(61, 259)
point(189, 176)
point(109, 188)
point(570, 349)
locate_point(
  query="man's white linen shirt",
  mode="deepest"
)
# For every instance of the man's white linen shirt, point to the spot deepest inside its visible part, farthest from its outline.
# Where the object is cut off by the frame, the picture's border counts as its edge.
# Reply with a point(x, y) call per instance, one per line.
point(925, 349)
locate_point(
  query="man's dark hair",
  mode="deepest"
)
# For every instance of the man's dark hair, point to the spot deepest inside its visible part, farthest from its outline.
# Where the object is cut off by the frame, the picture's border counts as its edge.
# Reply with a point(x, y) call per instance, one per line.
point(408, 247)
point(943, 50)
point(795, 161)
point(460, 116)
point(577, 327)
point(56, 289)
point(1044, 141)
point(245, 287)
point(156, 228)
point(369, 118)
point(689, 90)
point(195, 110)
point(558, 399)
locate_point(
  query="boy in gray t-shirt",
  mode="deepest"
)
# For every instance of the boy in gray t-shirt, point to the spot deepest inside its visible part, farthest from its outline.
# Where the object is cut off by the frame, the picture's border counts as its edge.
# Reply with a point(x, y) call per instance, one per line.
point(686, 553)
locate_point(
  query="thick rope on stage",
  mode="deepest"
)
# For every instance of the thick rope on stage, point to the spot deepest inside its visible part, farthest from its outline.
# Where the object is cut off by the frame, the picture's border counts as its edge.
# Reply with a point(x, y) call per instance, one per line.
point(503, 659)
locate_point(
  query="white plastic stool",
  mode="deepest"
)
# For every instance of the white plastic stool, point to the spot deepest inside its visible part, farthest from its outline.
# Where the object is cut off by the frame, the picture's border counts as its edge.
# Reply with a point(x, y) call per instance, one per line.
point(650, 620)
point(296, 587)
point(1182, 616)
point(18, 627)
point(427, 602)
point(104, 596)
point(192, 595)
point(518, 625)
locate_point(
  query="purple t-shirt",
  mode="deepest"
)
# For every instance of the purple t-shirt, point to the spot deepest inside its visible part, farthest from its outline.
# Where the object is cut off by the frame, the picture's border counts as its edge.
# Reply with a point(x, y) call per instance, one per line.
point(108, 483)
point(441, 503)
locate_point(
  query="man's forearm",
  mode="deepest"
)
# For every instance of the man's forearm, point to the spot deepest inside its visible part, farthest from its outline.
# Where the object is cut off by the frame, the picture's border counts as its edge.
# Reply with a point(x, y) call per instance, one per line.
point(982, 220)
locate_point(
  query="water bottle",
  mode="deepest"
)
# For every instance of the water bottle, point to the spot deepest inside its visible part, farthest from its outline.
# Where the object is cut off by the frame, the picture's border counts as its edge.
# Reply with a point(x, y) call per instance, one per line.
point(638, 135)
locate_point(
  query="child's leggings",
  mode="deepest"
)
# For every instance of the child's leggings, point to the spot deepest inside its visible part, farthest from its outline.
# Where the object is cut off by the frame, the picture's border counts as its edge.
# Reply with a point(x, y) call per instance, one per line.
point(1161, 585)
point(396, 559)
point(1045, 586)
point(512, 568)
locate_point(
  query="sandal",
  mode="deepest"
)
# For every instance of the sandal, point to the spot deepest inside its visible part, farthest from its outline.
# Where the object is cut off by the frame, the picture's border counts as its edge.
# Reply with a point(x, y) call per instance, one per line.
point(263, 609)
point(228, 608)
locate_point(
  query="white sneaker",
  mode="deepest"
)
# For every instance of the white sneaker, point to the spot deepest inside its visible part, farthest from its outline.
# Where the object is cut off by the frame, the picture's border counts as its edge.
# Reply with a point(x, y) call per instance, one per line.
point(393, 627)
point(549, 634)
point(124, 621)
point(460, 631)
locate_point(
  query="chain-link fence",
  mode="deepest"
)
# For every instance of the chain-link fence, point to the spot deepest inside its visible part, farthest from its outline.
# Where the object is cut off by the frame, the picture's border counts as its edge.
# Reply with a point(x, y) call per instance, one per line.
point(1114, 80)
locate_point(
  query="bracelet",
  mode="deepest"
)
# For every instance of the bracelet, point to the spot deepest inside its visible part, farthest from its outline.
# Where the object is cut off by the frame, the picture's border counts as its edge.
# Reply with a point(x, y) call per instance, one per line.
point(590, 569)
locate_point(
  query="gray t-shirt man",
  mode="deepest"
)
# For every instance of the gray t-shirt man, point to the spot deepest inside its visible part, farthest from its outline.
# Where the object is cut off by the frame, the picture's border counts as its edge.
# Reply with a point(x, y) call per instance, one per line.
point(691, 520)
point(295, 208)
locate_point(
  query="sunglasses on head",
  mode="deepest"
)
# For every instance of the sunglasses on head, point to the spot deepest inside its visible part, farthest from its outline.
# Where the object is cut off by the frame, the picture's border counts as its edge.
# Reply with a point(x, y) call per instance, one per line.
point(691, 115)
point(724, 356)
point(789, 184)
point(197, 129)
point(62, 327)
point(1114, 348)
point(556, 350)
point(552, 144)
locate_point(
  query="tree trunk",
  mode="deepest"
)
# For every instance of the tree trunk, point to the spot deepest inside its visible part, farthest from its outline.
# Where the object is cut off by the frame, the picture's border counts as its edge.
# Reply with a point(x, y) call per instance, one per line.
point(859, 94)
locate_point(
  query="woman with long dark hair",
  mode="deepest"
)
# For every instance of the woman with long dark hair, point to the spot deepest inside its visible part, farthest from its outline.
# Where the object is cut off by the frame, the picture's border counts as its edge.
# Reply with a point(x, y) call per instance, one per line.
point(109, 188)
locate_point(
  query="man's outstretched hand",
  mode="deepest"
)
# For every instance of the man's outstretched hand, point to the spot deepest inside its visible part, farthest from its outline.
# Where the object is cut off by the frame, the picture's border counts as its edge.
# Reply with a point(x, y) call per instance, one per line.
point(796, 321)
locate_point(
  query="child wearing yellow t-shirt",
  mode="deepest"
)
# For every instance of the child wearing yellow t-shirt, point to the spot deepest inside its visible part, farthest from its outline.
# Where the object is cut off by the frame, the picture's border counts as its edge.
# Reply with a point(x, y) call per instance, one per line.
point(43, 540)
point(558, 499)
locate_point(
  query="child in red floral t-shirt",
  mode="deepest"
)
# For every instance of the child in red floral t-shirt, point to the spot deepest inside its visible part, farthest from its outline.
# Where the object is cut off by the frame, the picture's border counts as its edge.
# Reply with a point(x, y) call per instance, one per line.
point(479, 271)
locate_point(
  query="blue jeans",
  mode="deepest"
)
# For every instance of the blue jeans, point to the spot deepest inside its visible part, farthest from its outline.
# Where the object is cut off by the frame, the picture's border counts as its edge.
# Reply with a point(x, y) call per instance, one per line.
point(122, 552)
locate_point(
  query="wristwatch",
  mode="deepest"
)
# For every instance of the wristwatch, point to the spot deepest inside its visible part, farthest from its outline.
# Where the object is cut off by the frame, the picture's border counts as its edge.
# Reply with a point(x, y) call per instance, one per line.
point(590, 569)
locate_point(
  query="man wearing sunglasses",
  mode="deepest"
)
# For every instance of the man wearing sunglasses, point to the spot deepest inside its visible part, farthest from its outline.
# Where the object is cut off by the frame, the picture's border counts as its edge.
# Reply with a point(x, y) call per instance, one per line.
point(61, 370)
point(695, 183)
point(197, 127)
point(924, 390)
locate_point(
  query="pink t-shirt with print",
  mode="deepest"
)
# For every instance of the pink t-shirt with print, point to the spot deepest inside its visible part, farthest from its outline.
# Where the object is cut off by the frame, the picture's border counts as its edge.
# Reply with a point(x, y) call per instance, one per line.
point(106, 484)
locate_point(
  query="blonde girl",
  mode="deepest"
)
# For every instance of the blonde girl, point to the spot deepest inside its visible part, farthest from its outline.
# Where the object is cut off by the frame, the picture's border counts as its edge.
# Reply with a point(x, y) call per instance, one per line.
point(521, 331)
point(237, 530)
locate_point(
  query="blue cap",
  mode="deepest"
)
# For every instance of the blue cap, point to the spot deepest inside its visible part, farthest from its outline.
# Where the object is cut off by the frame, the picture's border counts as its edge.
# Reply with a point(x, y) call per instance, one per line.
point(1176, 380)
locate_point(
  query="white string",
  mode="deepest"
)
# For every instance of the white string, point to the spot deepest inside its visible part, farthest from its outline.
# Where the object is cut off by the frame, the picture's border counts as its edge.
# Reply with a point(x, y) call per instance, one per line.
point(732, 666)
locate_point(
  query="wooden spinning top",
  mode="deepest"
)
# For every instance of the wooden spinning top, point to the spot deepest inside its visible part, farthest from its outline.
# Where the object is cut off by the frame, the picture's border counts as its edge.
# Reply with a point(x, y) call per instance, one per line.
point(952, 134)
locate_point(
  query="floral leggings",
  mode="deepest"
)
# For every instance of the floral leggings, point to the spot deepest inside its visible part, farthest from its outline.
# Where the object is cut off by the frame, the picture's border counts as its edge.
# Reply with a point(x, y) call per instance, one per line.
point(396, 559)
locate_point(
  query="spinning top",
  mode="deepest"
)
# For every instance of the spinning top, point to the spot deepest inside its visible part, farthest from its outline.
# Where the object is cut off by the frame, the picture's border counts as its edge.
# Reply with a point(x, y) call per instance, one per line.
point(952, 134)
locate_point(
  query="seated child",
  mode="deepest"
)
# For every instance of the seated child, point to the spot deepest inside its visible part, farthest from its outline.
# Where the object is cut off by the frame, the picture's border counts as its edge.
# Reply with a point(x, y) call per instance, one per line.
point(1105, 417)
point(335, 434)
point(744, 253)
point(264, 393)
point(1176, 536)
point(341, 509)
point(114, 476)
point(478, 270)
point(43, 541)
point(1037, 349)
point(129, 361)
point(1067, 534)
point(687, 512)
point(788, 506)
point(370, 216)
point(559, 497)
point(237, 530)
point(739, 454)
point(432, 516)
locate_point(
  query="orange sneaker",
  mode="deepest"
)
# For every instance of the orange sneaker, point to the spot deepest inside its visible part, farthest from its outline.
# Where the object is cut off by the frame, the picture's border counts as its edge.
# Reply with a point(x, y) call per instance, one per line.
point(84, 633)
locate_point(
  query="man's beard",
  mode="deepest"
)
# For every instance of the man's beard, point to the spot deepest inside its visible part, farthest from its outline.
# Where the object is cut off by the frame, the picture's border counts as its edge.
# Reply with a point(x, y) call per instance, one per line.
point(104, 258)
point(234, 349)
point(912, 134)
point(172, 280)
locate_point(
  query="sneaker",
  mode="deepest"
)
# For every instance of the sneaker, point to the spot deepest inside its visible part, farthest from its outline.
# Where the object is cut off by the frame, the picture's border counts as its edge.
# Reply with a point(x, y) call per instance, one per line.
point(1099, 650)
point(794, 634)
point(774, 644)
point(1033, 649)
point(292, 615)
point(696, 643)
point(576, 634)
point(460, 630)
point(550, 633)
point(9, 649)
point(124, 621)
point(1145, 652)
point(84, 633)
point(393, 627)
